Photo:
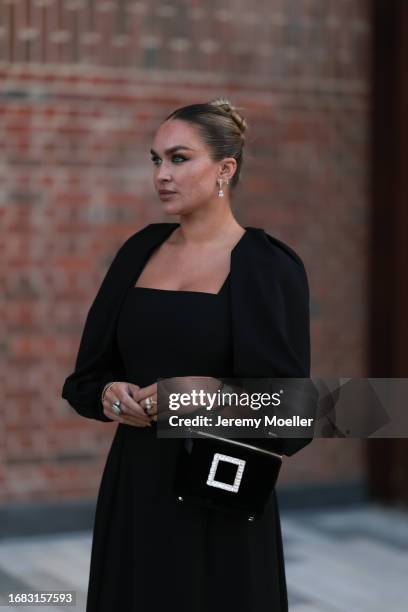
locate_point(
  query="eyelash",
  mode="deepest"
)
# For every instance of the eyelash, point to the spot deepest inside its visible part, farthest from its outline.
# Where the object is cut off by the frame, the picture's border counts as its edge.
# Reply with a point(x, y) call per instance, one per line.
point(154, 158)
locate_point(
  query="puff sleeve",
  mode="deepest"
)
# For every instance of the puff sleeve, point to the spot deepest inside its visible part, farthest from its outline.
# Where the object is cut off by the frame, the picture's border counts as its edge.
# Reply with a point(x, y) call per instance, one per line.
point(272, 326)
point(98, 360)
point(293, 341)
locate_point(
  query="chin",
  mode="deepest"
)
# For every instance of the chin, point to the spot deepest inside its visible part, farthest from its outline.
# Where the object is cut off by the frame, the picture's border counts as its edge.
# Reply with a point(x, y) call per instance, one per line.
point(171, 209)
point(174, 208)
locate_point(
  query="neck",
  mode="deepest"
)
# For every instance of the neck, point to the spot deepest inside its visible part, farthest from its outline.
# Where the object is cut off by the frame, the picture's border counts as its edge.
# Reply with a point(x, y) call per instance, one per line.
point(198, 228)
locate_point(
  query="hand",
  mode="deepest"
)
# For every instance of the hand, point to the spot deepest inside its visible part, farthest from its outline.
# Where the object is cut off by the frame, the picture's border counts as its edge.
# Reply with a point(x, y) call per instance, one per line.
point(145, 392)
point(132, 412)
point(183, 384)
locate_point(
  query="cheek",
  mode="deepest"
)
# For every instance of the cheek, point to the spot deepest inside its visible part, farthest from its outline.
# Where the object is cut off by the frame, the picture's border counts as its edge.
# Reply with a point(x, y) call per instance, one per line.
point(196, 178)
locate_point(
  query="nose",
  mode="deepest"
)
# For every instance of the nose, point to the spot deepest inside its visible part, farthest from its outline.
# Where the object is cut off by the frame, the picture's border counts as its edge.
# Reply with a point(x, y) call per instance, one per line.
point(162, 173)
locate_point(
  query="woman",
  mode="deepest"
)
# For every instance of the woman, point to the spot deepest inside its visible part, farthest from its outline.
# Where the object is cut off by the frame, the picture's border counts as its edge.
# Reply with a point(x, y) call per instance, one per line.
point(202, 297)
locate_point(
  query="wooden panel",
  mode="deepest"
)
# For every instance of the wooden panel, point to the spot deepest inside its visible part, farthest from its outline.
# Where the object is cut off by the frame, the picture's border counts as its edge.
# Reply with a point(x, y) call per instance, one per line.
point(387, 459)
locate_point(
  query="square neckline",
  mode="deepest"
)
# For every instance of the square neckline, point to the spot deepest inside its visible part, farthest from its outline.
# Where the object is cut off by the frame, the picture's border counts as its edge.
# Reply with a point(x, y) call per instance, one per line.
point(190, 290)
point(187, 290)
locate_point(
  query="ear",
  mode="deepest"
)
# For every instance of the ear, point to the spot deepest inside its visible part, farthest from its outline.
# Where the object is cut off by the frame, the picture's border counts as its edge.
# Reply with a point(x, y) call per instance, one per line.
point(227, 168)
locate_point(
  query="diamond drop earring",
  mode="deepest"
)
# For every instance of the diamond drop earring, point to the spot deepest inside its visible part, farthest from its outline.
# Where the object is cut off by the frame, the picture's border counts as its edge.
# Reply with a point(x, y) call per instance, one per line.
point(221, 191)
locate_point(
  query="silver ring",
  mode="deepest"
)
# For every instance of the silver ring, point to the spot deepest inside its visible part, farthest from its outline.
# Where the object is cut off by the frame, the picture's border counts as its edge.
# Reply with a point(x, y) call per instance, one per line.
point(116, 407)
point(148, 404)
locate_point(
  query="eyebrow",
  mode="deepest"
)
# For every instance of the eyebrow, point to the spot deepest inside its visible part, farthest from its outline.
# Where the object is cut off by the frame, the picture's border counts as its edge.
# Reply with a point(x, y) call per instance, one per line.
point(172, 149)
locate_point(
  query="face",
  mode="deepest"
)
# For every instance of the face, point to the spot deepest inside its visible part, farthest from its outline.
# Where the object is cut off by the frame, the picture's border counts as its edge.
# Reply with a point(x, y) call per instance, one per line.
point(182, 164)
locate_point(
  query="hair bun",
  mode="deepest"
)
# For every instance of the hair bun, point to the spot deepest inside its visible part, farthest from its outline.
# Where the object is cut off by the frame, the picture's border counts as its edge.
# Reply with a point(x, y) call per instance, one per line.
point(225, 105)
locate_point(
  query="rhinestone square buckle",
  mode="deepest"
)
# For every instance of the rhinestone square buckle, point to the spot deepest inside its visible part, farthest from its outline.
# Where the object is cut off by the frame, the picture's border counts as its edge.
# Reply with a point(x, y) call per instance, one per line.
point(240, 463)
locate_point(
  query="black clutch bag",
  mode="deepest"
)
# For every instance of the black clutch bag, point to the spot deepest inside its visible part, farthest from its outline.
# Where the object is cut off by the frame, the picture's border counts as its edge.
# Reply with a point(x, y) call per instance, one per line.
point(231, 476)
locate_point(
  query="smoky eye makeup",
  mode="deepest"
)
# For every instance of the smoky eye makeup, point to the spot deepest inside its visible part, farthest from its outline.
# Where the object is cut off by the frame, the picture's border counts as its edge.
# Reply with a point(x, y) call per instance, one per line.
point(155, 158)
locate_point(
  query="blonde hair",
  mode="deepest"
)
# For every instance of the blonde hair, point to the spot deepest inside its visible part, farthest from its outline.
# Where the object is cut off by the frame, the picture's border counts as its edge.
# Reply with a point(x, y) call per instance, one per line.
point(233, 111)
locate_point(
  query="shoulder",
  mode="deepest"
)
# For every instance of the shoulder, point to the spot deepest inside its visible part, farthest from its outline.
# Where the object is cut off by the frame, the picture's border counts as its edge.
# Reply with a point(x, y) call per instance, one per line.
point(150, 230)
point(278, 262)
point(278, 251)
point(134, 246)
point(144, 235)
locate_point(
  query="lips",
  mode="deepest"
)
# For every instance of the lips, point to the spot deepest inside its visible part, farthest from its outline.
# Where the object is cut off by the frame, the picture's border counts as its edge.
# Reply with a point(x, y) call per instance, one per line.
point(165, 192)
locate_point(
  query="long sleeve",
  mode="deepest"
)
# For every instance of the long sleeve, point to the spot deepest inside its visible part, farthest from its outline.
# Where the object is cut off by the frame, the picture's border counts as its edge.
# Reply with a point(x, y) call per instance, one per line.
point(295, 313)
point(272, 325)
point(98, 361)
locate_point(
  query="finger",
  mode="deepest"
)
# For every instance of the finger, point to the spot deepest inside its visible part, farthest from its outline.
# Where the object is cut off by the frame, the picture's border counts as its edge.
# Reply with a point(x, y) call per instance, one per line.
point(139, 421)
point(144, 392)
point(133, 387)
point(133, 390)
point(135, 406)
point(123, 418)
point(153, 404)
point(128, 405)
point(149, 403)
point(107, 411)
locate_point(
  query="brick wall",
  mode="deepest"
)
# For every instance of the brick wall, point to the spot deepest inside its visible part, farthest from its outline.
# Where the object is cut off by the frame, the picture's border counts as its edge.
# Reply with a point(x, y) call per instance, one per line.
point(83, 86)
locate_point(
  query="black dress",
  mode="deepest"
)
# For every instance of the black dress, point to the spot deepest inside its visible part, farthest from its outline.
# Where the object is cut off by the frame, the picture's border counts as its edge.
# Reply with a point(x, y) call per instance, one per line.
point(150, 552)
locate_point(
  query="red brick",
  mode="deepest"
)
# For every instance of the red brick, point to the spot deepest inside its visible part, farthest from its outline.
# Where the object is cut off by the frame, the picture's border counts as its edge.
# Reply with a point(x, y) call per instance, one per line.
point(77, 182)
